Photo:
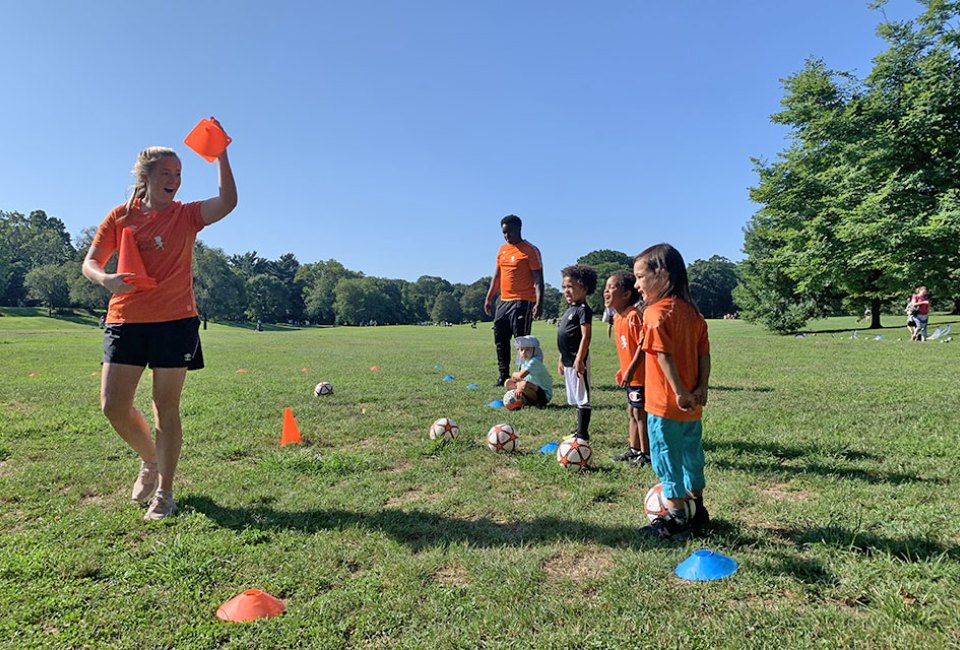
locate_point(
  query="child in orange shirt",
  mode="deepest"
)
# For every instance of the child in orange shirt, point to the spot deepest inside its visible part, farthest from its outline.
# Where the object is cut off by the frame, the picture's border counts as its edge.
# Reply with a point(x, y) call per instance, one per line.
point(677, 369)
point(620, 295)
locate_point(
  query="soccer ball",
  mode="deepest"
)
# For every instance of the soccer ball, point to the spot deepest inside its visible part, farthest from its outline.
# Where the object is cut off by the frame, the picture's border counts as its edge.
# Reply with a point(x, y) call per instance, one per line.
point(323, 388)
point(444, 429)
point(655, 506)
point(574, 452)
point(512, 401)
point(502, 437)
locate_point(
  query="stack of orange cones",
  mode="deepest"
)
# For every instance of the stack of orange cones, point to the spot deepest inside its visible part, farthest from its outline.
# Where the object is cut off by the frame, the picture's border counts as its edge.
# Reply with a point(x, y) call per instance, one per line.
point(129, 261)
point(291, 433)
point(207, 139)
point(251, 605)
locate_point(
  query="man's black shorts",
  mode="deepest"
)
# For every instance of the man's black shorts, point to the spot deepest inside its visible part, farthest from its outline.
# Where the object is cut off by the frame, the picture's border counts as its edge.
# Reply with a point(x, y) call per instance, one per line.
point(171, 344)
point(513, 318)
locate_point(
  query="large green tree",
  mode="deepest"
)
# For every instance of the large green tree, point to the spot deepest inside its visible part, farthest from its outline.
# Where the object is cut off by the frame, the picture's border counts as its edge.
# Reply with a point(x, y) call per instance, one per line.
point(27, 242)
point(218, 288)
point(47, 284)
point(857, 206)
point(319, 281)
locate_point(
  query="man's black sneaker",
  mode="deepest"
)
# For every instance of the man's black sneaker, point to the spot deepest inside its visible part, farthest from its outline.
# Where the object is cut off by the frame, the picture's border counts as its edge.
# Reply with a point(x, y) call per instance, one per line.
point(629, 454)
point(667, 528)
point(501, 382)
point(700, 519)
point(640, 461)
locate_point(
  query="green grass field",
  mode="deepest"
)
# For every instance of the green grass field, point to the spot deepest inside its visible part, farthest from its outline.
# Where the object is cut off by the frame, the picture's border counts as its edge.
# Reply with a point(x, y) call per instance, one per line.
point(832, 466)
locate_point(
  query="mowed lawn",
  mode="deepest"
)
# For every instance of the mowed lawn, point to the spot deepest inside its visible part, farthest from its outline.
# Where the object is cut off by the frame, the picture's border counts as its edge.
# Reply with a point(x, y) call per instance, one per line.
point(832, 466)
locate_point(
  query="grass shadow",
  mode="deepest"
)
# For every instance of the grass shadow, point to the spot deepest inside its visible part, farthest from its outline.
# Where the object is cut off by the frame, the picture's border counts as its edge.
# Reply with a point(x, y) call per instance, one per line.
point(907, 549)
point(267, 327)
point(779, 459)
point(742, 389)
point(421, 530)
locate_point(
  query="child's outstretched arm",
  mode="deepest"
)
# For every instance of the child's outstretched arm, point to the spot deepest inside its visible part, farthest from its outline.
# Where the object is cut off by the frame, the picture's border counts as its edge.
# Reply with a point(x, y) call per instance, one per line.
point(685, 399)
point(703, 379)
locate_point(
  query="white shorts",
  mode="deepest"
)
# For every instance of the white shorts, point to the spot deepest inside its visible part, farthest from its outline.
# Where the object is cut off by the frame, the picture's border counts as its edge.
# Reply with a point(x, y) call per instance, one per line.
point(578, 386)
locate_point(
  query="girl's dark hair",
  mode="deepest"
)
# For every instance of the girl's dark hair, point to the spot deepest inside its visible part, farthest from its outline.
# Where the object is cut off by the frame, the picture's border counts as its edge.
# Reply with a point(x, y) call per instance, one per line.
point(583, 274)
point(627, 281)
point(665, 264)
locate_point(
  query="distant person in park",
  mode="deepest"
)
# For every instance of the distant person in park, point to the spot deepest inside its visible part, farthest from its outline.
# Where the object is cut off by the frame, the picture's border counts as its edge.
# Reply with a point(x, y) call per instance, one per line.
point(573, 340)
point(608, 313)
point(155, 327)
point(620, 293)
point(532, 383)
point(676, 372)
point(918, 314)
point(867, 313)
point(519, 280)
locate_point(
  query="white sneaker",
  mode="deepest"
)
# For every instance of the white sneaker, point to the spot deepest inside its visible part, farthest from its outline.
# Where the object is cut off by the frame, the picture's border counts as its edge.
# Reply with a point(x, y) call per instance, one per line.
point(162, 506)
point(146, 483)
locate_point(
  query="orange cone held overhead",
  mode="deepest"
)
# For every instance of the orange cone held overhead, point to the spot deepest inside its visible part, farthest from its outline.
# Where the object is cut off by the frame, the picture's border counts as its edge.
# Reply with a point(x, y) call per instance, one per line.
point(291, 433)
point(207, 139)
point(129, 261)
point(251, 605)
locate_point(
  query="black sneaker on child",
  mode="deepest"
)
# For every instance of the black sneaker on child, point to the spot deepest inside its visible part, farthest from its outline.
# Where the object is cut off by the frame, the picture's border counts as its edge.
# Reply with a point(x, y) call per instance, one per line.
point(629, 454)
point(668, 528)
point(700, 519)
point(640, 461)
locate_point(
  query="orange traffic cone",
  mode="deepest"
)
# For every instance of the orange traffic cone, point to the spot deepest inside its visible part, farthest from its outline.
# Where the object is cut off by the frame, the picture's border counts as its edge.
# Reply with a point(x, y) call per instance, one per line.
point(129, 261)
point(291, 434)
point(207, 139)
point(250, 605)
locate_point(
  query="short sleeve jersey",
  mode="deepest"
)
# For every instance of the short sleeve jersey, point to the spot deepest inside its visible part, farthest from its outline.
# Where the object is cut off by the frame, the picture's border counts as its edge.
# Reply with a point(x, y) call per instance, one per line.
point(516, 263)
point(539, 375)
point(676, 327)
point(922, 309)
point(165, 239)
point(626, 334)
point(569, 334)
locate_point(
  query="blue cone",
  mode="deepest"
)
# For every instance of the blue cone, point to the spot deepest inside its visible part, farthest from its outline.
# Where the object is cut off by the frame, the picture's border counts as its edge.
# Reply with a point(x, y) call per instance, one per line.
point(706, 565)
point(549, 448)
point(496, 404)
point(472, 386)
point(437, 367)
point(448, 378)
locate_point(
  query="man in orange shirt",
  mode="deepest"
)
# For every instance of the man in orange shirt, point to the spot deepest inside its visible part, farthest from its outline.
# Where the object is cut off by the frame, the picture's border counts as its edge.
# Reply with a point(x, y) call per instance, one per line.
point(519, 280)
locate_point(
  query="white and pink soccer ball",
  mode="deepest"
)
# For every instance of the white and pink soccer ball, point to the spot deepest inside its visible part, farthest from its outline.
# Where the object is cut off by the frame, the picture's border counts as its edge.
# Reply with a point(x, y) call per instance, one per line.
point(655, 506)
point(502, 437)
point(444, 429)
point(323, 388)
point(574, 453)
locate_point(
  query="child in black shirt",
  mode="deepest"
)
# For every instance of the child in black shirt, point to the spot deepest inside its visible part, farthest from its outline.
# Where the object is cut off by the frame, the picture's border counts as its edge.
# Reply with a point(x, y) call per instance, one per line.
point(573, 340)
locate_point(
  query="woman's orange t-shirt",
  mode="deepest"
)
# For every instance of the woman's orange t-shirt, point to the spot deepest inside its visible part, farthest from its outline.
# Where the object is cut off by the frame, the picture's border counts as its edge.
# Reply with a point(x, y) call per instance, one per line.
point(165, 240)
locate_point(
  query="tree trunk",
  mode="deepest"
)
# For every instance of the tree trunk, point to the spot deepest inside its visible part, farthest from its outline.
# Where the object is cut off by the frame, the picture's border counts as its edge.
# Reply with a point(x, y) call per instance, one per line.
point(956, 307)
point(874, 313)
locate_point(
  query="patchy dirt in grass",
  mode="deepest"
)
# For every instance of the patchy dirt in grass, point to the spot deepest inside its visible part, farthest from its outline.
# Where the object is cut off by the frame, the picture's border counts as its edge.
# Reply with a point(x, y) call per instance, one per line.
point(18, 408)
point(92, 499)
point(452, 576)
point(587, 564)
point(409, 496)
point(784, 492)
point(401, 467)
point(510, 473)
point(6, 469)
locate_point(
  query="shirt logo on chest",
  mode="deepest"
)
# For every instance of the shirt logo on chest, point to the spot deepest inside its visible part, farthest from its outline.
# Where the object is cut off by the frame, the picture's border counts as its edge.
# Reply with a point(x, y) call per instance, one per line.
point(158, 242)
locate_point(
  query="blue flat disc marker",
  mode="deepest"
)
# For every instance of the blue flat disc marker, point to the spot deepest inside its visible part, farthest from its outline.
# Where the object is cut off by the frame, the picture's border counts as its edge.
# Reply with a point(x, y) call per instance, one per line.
point(706, 565)
point(496, 404)
point(549, 448)
point(448, 378)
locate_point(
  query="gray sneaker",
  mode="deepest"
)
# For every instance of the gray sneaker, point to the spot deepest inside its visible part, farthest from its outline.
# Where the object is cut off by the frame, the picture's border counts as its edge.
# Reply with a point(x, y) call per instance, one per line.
point(146, 483)
point(162, 506)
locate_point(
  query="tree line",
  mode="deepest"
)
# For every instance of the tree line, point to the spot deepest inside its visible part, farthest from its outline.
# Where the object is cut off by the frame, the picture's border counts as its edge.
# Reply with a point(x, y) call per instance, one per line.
point(864, 204)
point(40, 265)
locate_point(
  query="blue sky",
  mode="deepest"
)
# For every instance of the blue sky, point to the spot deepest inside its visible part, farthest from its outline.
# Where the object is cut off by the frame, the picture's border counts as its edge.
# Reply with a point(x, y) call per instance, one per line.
point(393, 136)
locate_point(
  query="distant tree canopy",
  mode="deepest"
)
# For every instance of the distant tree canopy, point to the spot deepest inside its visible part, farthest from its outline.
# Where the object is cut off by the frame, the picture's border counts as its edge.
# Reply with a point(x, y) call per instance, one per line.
point(864, 205)
point(712, 283)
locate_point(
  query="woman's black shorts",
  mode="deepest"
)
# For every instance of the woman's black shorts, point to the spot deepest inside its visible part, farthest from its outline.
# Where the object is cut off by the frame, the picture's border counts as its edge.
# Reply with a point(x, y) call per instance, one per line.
point(171, 344)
